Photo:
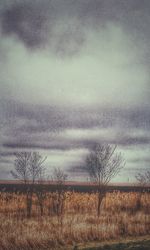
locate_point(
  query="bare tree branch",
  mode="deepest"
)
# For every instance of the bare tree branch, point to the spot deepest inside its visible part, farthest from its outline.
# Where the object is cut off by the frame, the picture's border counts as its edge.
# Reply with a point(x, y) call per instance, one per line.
point(102, 164)
point(143, 178)
point(28, 168)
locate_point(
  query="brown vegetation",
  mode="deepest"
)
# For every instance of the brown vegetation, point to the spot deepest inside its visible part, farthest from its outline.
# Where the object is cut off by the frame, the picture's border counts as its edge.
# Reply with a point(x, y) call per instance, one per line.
point(76, 223)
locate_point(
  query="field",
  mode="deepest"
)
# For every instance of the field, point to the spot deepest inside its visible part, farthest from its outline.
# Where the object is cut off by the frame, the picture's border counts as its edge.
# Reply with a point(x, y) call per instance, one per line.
point(69, 219)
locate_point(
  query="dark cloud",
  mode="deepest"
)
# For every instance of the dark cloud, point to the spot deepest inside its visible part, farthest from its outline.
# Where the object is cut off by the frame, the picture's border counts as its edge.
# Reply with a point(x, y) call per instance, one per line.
point(133, 140)
point(29, 127)
point(63, 25)
point(27, 22)
point(43, 24)
point(36, 146)
point(43, 126)
point(28, 118)
point(64, 28)
point(5, 154)
point(77, 168)
point(66, 143)
point(23, 118)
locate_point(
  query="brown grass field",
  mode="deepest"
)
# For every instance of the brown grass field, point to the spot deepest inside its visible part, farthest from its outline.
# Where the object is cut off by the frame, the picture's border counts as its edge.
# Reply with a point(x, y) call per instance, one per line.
point(123, 215)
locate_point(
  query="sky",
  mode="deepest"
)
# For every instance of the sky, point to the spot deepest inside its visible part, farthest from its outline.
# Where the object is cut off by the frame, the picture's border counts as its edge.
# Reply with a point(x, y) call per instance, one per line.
point(74, 73)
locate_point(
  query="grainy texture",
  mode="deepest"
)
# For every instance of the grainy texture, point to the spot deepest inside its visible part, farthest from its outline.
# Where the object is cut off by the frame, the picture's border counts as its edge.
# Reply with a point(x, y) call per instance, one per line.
point(122, 215)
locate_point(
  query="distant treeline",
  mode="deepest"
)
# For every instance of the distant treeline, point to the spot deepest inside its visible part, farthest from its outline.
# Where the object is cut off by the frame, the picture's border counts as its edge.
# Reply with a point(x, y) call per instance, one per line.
point(18, 187)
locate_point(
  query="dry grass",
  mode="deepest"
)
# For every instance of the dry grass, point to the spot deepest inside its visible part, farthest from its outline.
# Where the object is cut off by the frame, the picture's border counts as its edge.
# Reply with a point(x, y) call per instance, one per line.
point(120, 216)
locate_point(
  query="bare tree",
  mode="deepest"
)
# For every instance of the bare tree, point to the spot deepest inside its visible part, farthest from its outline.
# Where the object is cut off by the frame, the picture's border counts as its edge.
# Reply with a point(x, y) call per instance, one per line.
point(143, 178)
point(102, 164)
point(21, 171)
point(36, 167)
point(59, 177)
point(28, 168)
point(41, 191)
point(36, 170)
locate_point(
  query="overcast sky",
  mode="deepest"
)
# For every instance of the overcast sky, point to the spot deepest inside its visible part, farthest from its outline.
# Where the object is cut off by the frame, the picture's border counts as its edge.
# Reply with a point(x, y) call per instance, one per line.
point(72, 73)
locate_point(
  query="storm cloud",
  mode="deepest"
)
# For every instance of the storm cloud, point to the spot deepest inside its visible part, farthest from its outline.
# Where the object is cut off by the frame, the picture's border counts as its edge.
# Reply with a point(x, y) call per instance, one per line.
point(74, 73)
point(50, 129)
point(43, 24)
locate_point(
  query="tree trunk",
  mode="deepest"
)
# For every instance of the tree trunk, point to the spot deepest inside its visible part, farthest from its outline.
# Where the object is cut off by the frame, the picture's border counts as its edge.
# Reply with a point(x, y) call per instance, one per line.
point(41, 208)
point(100, 199)
point(29, 202)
